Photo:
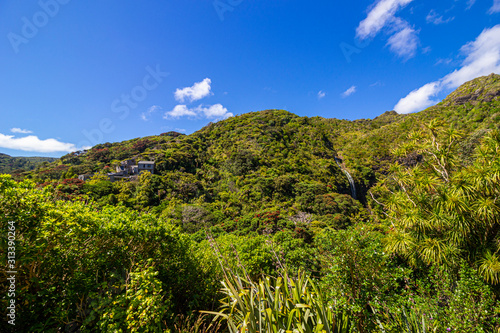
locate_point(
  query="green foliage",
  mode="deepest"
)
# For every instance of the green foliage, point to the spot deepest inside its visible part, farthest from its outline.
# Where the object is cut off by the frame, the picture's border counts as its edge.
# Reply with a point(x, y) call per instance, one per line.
point(136, 304)
point(358, 276)
point(147, 190)
point(443, 302)
point(71, 254)
point(471, 307)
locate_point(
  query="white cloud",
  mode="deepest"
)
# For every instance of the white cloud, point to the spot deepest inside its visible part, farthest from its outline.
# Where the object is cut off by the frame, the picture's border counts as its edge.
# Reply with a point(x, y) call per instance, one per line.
point(34, 144)
point(180, 111)
point(482, 58)
point(379, 16)
point(404, 43)
point(145, 115)
point(321, 94)
point(349, 92)
point(495, 8)
point(434, 18)
point(18, 130)
point(470, 3)
point(198, 91)
point(212, 111)
point(418, 99)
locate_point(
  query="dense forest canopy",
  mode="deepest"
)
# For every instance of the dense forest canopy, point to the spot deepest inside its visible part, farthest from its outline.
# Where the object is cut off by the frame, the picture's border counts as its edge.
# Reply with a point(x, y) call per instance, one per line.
point(252, 219)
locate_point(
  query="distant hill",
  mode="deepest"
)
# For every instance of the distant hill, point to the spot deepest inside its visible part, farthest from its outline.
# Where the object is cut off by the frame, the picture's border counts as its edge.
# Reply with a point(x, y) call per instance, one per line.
point(9, 164)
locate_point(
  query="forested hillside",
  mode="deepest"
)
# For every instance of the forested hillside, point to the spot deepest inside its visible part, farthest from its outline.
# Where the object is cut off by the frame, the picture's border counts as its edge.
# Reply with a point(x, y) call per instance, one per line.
point(254, 218)
point(17, 165)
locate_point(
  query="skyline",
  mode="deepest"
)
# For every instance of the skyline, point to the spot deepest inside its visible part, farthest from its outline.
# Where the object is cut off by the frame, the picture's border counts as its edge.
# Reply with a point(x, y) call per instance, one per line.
point(74, 75)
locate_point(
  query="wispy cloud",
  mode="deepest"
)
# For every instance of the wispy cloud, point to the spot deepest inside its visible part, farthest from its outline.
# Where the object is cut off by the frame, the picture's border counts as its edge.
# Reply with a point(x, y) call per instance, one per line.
point(349, 92)
point(404, 43)
point(482, 57)
point(446, 61)
point(379, 16)
point(210, 112)
point(495, 8)
point(32, 143)
point(176, 129)
point(434, 18)
point(403, 39)
point(470, 3)
point(145, 115)
point(18, 130)
point(196, 92)
point(321, 94)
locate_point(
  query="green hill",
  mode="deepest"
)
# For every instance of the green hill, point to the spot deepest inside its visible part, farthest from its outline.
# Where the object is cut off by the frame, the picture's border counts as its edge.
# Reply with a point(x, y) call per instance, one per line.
point(9, 164)
point(259, 147)
point(271, 161)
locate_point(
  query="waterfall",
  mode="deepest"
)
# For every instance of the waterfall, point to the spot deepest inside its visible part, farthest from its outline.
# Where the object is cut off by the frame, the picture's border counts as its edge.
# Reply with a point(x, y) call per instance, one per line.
point(351, 182)
point(349, 178)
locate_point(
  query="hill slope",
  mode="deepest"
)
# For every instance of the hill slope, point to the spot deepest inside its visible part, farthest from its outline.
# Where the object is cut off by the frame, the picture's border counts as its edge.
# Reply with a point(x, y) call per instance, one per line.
point(9, 164)
point(474, 109)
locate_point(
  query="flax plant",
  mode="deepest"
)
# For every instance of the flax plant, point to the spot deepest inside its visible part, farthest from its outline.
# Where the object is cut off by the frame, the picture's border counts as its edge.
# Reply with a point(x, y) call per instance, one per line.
point(282, 304)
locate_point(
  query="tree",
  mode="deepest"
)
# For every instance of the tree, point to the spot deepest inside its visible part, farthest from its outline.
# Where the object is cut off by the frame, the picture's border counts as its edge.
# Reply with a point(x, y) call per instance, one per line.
point(440, 211)
point(147, 190)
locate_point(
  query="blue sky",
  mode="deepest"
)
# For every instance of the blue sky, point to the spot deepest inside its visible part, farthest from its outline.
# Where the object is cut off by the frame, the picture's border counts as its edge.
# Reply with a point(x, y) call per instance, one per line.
point(75, 73)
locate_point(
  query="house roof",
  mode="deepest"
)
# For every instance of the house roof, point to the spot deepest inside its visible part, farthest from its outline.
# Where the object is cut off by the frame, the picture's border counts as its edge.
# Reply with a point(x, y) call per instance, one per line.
point(146, 162)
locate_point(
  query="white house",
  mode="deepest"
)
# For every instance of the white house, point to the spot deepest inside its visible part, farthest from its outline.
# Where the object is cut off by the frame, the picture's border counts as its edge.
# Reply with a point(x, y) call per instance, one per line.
point(146, 166)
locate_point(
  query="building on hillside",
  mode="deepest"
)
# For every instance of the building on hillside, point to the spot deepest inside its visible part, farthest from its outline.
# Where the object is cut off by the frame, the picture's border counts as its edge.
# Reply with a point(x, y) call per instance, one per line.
point(127, 170)
point(113, 176)
point(126, 166)
point(146, 166)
